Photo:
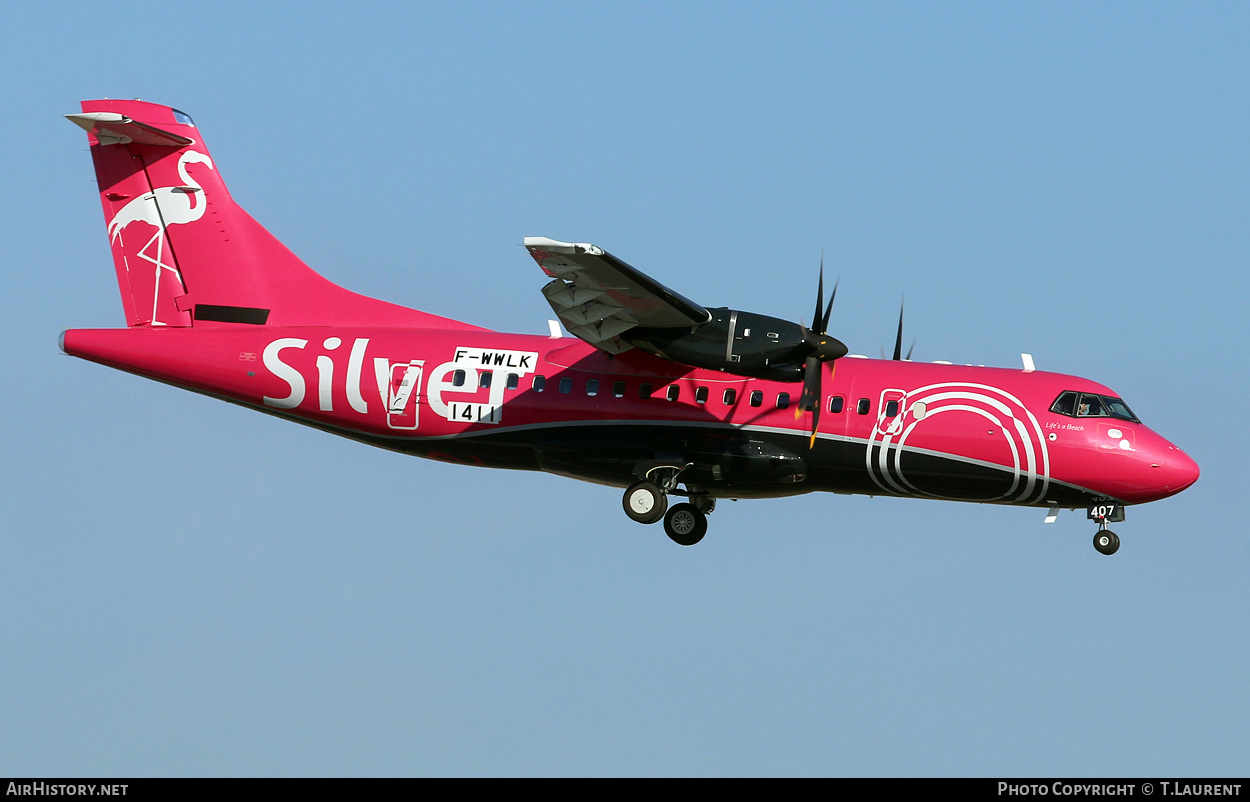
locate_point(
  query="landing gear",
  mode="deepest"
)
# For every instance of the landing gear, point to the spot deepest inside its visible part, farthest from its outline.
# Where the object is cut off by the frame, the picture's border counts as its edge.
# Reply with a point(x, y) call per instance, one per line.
point(685, 525)
point(1106, 541)
point(647, 502)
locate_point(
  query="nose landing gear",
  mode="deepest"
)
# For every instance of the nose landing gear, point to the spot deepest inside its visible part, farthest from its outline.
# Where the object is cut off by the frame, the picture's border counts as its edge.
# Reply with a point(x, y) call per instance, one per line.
point(1106, 541)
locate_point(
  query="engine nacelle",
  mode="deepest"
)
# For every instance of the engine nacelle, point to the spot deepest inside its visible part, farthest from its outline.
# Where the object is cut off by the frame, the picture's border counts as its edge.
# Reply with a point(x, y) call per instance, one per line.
point(744, 343)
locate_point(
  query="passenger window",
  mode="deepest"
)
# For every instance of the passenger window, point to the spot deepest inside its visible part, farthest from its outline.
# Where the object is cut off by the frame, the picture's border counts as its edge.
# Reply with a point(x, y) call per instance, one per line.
point(592, 387)
point(783, 400)
point(644, 390)
point(457, 379)
point(514, 381)
point(674, 392)
point(566, 385)
point(730, 396)
point(540, 382)
point(757, 398)
point(484, 379)
point(835, 404)
point(863, 406)
point(891, 409)
point(618, 389)
point(700, 395)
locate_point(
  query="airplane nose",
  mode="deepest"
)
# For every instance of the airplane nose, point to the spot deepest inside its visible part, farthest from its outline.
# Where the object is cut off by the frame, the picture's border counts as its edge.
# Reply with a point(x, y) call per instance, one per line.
point(1174, 470)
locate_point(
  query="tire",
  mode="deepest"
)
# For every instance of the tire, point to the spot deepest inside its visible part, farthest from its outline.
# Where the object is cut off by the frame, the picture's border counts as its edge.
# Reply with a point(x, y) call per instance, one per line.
point(1107, 542)
point(645, 502)
point(685, 525)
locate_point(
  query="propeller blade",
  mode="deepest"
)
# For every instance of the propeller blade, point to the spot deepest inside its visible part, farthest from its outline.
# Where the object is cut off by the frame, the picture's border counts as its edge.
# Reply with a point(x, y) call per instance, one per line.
point(811, 396)
point(820, 298)
point(898, 340)
point(811, 443)
point(824, 321)
point(821, 349)
point(817, 338)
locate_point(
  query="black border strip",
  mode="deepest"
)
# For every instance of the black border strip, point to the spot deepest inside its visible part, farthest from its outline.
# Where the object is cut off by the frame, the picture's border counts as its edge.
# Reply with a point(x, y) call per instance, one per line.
point(231, 314)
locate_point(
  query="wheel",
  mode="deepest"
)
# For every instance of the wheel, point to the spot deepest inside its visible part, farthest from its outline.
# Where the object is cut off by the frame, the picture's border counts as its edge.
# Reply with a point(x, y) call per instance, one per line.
point(685, 525)
point(645, 502)
point(1107, 542)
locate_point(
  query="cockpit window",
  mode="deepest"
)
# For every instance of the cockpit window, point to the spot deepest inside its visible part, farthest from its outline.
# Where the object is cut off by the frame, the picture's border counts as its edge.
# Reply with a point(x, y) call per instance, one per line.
point(1065, 404)
point(1091, 405)
point(182, 117)
point(1118, 409)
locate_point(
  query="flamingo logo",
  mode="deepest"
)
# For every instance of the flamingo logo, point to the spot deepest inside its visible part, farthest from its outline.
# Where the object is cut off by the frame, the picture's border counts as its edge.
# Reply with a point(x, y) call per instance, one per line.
point(160, 208)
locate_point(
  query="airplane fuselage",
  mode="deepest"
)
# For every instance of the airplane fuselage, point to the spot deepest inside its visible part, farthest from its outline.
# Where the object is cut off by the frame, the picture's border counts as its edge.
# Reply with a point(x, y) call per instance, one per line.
point(557, 404)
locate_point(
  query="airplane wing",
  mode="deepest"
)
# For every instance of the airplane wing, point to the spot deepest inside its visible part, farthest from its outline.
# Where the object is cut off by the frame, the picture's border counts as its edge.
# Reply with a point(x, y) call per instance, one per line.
point(598, 297)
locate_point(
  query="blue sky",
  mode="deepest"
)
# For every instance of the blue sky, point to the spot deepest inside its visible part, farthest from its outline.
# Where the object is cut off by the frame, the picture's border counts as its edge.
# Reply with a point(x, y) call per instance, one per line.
point(189, 588)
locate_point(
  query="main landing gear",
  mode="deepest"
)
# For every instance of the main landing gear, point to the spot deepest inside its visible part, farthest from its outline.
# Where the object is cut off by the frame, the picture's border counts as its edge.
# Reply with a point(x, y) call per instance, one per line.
point(647, 502)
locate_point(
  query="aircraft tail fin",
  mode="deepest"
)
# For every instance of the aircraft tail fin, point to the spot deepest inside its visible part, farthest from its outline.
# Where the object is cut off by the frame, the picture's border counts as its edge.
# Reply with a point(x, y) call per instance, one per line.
point(185, 253)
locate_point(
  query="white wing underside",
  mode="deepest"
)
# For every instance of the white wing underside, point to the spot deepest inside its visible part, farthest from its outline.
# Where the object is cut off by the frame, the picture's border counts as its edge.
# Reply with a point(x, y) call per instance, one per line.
point(598, 297)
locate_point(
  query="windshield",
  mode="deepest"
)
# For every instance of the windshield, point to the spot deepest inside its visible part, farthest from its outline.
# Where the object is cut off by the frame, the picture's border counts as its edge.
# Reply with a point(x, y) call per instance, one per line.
point(1092, 405)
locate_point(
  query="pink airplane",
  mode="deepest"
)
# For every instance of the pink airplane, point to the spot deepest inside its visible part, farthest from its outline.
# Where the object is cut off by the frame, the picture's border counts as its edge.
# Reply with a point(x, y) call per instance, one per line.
point(658, 394)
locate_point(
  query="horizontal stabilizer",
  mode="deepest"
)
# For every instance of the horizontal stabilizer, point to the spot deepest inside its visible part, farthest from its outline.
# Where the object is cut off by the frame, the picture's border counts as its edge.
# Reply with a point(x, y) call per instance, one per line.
point(111, 128)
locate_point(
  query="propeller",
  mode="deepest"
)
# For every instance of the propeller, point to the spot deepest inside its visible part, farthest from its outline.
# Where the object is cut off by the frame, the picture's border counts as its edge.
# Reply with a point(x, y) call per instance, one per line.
point(822, 347)
point(898, 339)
